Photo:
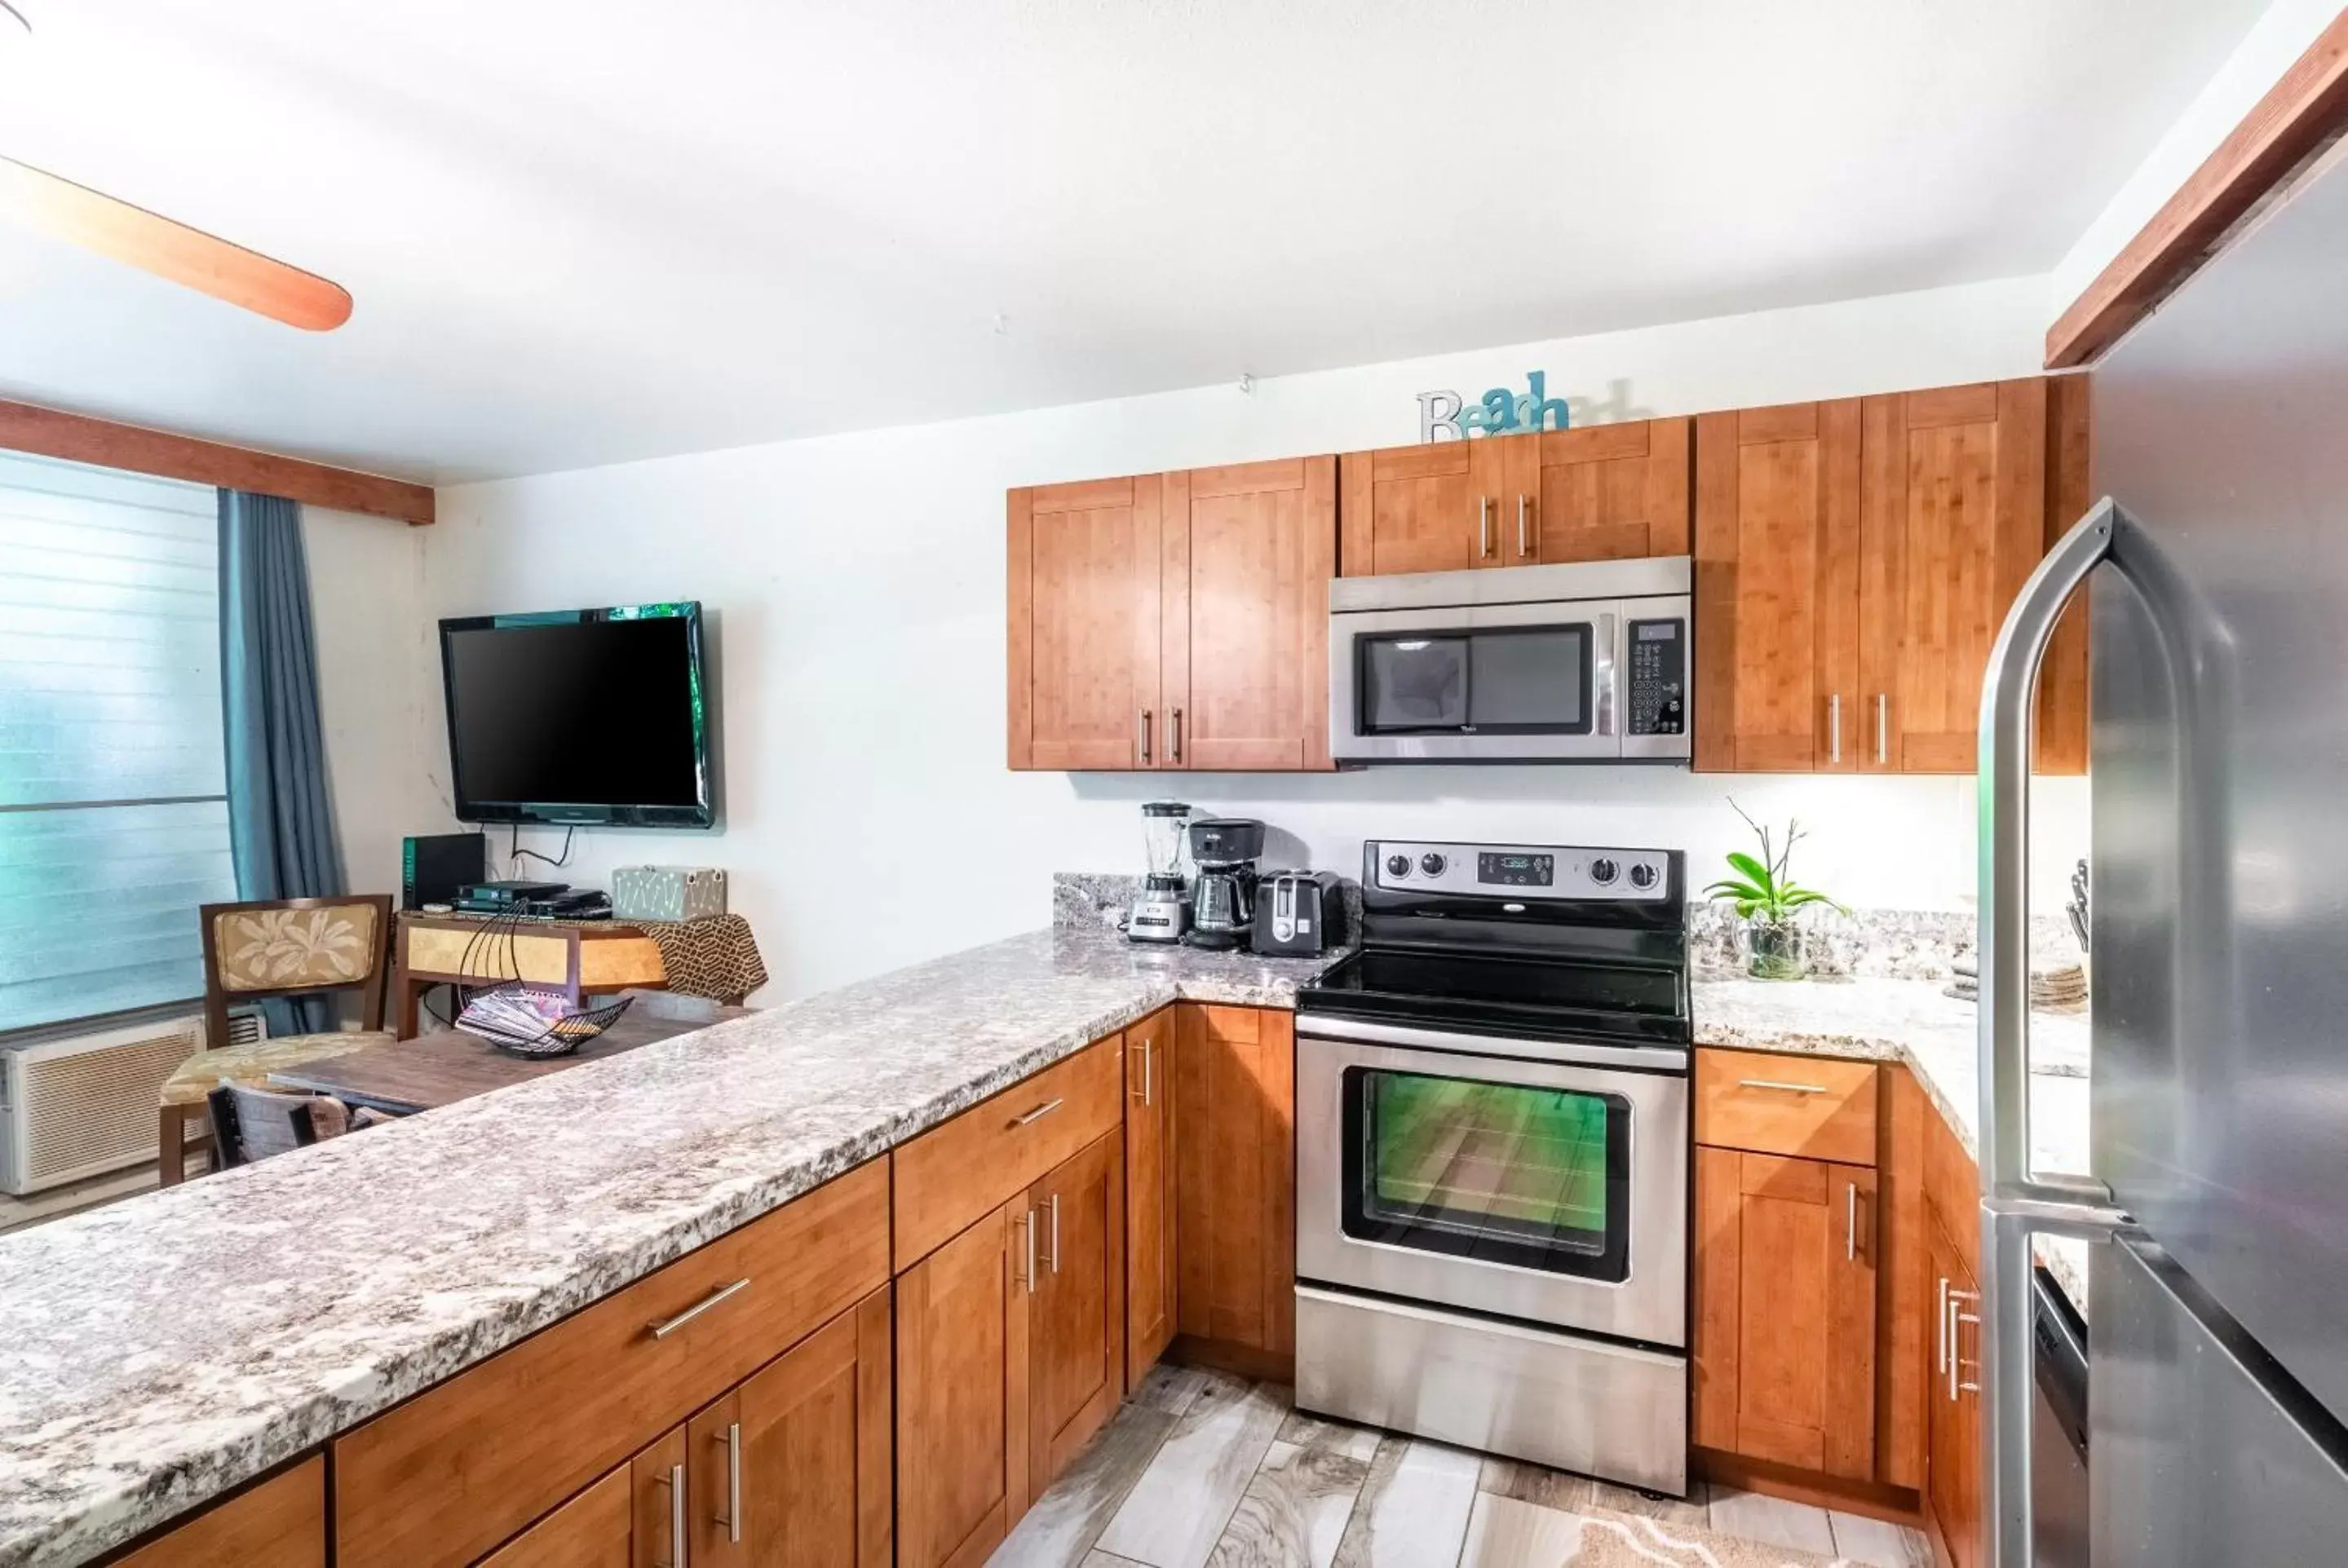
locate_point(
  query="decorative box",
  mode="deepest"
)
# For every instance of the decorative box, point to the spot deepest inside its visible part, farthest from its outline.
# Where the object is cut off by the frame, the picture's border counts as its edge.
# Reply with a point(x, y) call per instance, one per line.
point(667, 892)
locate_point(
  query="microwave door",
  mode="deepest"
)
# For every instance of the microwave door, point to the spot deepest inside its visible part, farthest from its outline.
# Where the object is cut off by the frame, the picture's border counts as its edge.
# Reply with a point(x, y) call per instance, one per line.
point(1475, 684)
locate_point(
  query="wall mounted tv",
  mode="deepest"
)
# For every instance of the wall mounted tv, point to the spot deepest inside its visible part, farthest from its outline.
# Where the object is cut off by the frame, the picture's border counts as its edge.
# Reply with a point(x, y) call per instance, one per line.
point(580, 716)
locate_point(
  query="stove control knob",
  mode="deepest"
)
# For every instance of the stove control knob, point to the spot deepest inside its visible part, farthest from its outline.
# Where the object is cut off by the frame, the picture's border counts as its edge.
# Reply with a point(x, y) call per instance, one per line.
point(1432, 864)
point(1604, 871)
point(1643, 876)
point(1397, 864)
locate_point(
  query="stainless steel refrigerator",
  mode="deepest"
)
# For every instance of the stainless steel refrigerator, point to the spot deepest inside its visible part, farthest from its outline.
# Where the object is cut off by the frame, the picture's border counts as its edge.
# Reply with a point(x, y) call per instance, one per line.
point(2217, 571)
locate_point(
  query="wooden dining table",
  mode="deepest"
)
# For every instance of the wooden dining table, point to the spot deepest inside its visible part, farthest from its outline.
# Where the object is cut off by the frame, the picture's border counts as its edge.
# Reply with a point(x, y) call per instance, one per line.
point(405, 1076)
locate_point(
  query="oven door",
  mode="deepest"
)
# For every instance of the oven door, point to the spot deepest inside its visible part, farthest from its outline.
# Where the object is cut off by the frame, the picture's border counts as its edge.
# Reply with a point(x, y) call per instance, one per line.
point(1551, 1186)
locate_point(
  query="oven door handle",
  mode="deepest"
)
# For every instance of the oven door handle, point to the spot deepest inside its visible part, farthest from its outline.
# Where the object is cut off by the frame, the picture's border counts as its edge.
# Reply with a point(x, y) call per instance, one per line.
point(1564, 1054)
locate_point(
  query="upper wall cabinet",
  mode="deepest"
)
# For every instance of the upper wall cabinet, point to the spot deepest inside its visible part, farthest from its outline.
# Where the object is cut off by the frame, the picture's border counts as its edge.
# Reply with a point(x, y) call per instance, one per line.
point(1593, 494)
point(1173, 620)
point(1854, 562)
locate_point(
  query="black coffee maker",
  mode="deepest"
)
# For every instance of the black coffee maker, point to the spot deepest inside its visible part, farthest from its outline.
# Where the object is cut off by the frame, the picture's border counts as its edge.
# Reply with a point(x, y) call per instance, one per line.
point(1223, 896)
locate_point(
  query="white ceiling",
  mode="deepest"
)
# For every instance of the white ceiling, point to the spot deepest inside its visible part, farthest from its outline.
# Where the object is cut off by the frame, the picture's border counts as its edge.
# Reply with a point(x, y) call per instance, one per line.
point(579, 231)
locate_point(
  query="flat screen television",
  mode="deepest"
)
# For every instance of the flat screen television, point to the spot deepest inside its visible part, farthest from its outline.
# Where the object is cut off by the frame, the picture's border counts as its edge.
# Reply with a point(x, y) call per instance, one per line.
point(580, 716)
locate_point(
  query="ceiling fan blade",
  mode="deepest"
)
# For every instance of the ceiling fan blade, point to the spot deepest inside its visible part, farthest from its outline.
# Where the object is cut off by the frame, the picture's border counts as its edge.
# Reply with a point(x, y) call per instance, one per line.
point(40, 201)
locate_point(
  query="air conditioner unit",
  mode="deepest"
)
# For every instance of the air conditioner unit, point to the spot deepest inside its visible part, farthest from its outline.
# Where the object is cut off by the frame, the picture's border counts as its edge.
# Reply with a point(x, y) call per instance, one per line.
point(84, 1104)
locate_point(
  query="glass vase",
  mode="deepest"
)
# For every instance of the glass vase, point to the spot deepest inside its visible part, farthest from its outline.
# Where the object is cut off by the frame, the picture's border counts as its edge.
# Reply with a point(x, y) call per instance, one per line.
point(1774, 950)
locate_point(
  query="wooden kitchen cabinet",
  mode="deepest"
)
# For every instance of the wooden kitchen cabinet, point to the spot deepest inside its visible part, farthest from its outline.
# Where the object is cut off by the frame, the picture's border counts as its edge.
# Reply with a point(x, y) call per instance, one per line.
point(1075, 1318)
point(794, 1466)
point(1955, 1460)
point(1235, 1179)
point(281, 1522)
point(1149, 1192)
point(1243, 605)
point(962, 1393)
point(1854, 562)
point(1598, 493)
point(1777, 560)
point(1784, 1346)
point(1010, 1356)
point(597, 1529)
point(1172, 620)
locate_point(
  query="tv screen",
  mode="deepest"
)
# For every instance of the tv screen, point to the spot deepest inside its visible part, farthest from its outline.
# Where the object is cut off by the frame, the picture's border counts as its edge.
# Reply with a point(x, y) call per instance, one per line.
point(580, 716)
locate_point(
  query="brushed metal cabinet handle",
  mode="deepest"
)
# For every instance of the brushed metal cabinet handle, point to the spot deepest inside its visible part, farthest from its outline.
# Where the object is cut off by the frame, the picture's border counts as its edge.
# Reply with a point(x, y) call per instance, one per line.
point(1834, 728)
point(1941, 1330)
point(1524, 506)
point(1174, 736)
point(1781, 1085)
point(675, 1482)
point(1037, 1114)
point(732, 1518)
point(1883, 727)
point(1851, 1221)
point(1054, 1202)
point(1484, 528)
point(663, 1326)
point(1141, 737)
point(1149, 1072)
point(1030, 1224)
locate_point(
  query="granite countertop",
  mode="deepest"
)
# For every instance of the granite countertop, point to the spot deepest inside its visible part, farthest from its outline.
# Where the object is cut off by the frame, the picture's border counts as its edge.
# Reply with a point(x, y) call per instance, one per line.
point(157, 1352)
point(1936, 1035)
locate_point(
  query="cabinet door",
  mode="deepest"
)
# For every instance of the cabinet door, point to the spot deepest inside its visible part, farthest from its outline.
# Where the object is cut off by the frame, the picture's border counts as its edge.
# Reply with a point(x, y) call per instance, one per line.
point(1149, 1219)
point(1952, 520)
point(1235, 1185)
point(1601, 493)
point(1776, 589)
point(792, 1469)
point(1075, 1322)
point(962, 1393)
point(660, 1504)
point(1407, 509)
point(1082, 572)
point(1249, 553)
point(1785, 1343)
point(280, 1524)
point(594, 1530)
point(1954, 1460)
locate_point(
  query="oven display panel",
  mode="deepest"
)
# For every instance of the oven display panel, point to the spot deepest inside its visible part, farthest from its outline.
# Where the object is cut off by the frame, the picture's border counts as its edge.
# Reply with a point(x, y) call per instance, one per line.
point(1516, 870)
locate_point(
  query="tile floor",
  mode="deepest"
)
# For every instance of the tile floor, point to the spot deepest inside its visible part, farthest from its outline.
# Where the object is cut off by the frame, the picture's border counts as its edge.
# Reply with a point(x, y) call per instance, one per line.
point(1200, 1470)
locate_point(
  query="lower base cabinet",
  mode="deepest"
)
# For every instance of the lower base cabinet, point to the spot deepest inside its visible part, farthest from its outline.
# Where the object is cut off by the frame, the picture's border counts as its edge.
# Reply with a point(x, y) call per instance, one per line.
point(1010, 1356)
point(1953, 1470)
point(279, 1524)
point(1784, 1360)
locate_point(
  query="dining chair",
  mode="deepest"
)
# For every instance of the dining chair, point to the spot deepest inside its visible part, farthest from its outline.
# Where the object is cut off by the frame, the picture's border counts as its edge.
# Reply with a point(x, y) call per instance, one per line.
point(276, 947)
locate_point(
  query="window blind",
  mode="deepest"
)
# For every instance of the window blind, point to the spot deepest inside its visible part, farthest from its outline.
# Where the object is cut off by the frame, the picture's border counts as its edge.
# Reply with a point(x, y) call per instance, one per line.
point(113, 809)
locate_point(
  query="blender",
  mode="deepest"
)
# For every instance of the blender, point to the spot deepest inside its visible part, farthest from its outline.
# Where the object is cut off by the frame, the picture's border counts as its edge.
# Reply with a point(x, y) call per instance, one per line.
point(1161, 910)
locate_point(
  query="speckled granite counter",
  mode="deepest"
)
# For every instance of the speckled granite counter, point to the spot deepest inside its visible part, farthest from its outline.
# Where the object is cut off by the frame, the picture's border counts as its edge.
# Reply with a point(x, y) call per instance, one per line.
point(1936, 1035)
point(157, 1352)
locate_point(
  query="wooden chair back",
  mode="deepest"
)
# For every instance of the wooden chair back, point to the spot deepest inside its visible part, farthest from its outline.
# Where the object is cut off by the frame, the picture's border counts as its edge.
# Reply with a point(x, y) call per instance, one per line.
point(296, 946)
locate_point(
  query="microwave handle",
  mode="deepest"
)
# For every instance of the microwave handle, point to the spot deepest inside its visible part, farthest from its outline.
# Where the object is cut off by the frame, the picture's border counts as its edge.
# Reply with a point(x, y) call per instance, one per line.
point(1603, 667)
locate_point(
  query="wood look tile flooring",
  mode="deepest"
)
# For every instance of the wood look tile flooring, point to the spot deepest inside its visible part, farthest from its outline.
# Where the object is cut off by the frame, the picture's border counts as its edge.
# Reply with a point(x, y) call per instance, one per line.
point(1200, 1469)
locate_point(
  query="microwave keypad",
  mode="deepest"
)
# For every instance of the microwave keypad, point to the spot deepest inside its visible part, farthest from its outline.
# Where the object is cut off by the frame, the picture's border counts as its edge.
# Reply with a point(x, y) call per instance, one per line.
point(1658, 677)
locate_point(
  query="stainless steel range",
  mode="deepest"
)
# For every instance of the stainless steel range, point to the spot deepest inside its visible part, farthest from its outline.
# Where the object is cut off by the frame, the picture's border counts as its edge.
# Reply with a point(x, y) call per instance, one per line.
point(1492, 1132)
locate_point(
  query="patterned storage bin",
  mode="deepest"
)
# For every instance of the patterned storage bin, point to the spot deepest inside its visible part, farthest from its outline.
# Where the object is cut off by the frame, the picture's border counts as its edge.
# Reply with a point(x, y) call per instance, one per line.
point(667, 892)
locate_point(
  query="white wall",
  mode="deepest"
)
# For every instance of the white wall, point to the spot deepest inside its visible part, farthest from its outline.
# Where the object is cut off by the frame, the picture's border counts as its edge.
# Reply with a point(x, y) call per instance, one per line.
point(2276, 39)
point(380, 688)
point(856, 584)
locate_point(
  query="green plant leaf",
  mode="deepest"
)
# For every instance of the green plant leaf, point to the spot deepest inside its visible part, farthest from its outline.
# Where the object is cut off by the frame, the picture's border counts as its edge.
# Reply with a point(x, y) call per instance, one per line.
point(1756, 871)
point(1731, 887)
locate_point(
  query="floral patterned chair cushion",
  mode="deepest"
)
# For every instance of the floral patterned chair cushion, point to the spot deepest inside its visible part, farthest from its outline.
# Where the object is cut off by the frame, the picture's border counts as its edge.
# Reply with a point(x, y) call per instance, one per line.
point(252, 1065)
point(285, 950)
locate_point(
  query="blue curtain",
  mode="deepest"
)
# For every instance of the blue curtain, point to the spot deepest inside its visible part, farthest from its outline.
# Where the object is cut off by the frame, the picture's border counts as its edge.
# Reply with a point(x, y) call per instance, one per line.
point(280, 822)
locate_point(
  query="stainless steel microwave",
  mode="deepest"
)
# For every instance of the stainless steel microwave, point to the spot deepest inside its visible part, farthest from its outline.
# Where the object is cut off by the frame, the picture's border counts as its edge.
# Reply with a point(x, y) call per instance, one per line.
point(1586, 663)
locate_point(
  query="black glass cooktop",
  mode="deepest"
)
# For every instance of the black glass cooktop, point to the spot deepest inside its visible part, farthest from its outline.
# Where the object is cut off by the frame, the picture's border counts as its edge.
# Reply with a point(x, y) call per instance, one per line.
point(1544, 997)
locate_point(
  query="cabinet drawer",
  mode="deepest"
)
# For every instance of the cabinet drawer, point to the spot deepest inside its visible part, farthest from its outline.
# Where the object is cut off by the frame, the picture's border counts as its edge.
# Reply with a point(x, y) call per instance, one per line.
point(464, 1465)
point(280, 1524)
point(960, 1169)
point(1811, 1107)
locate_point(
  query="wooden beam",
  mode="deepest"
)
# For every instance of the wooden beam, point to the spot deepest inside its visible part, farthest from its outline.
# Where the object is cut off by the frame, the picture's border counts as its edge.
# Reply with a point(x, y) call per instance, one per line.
point(2302, 114)
point(25, 428)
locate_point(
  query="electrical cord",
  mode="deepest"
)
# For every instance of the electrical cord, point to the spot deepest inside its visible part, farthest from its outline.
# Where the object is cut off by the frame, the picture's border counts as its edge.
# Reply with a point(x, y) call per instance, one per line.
point(516, 854)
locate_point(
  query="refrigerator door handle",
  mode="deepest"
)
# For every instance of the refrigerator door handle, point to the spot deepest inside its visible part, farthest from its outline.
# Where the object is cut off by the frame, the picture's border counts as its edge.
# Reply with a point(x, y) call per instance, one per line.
point(2016, 1206)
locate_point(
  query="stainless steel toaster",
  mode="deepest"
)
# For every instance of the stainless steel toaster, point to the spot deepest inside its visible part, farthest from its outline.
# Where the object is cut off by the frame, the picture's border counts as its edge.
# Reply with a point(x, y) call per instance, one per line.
point(1297, 912)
